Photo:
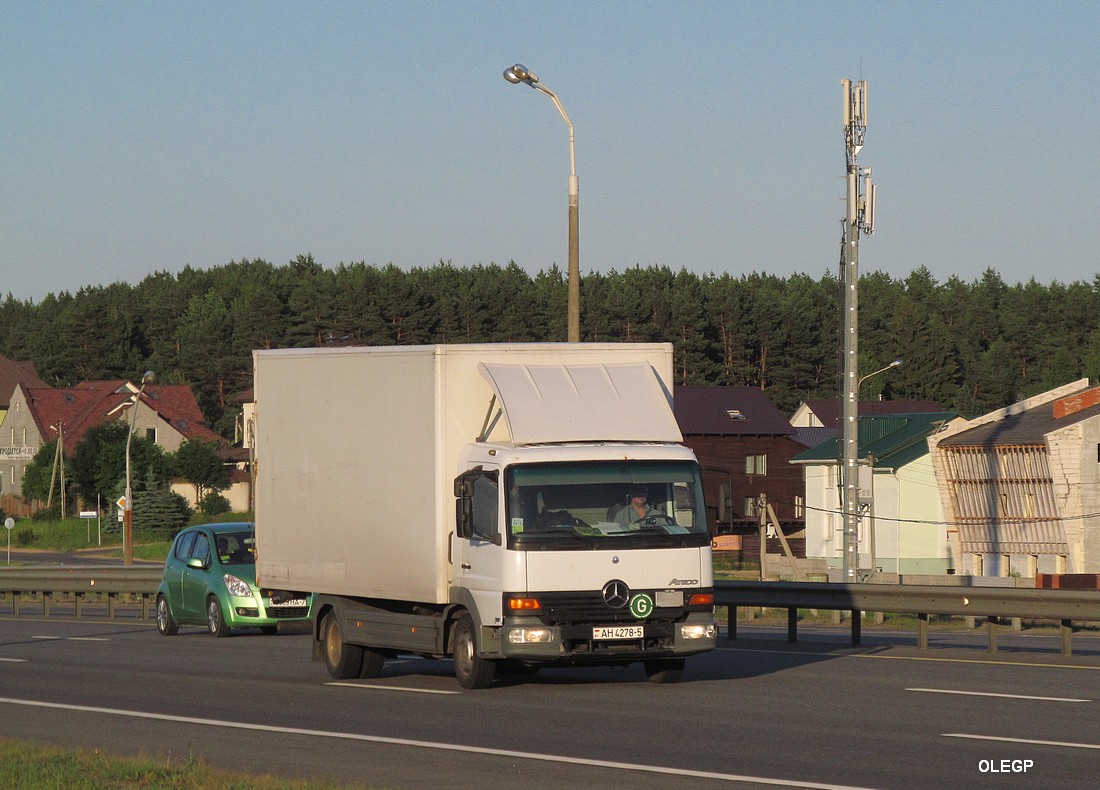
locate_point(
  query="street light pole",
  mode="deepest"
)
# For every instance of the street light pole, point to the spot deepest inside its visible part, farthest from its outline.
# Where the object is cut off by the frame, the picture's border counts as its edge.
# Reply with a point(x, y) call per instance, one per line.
point(128, 507)
point(893, 364)
point(517, 74)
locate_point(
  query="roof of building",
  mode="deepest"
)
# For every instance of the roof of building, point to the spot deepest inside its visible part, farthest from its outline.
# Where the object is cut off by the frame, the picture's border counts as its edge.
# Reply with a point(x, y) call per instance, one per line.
point(14, 373)
point(894, 439)
point(812, 437)
point(728, 411)
point(1032, 425)
point(827, 410)
point(93, 403)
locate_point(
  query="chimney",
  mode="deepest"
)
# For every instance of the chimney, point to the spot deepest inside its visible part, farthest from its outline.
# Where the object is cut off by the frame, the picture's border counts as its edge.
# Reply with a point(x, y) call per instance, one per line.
point(1063, 407)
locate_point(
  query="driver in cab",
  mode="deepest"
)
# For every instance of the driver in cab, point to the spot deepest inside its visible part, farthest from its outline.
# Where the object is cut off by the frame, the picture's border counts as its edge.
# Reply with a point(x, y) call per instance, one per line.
point(636, 510)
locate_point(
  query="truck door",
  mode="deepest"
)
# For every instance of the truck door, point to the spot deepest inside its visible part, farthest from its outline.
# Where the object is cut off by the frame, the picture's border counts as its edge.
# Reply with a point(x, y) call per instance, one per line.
point(479, 540)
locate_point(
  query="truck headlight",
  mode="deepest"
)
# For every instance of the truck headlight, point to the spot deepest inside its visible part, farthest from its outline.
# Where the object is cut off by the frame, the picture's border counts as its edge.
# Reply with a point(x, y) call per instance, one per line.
point(524, 636)
point(698, 631)
point(237, 587)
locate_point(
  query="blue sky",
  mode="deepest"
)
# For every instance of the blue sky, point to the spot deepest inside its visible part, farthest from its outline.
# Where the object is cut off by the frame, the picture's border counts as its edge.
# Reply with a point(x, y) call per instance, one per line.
point(138, 137)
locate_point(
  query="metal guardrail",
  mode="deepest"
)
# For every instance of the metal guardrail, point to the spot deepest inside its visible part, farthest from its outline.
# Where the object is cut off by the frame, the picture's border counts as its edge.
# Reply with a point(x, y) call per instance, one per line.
point(121, 590)
point(991, 603)
point(116, 592)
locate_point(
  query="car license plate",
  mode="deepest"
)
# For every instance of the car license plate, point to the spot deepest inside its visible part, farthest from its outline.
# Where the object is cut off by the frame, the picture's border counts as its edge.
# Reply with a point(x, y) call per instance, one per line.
point(618, 632)
point(289, 602)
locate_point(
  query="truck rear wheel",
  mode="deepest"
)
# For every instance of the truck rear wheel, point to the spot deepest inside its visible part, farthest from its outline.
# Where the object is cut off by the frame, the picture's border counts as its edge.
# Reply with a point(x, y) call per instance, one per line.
point(472, 672)
point(344, 661)
point(666, 670)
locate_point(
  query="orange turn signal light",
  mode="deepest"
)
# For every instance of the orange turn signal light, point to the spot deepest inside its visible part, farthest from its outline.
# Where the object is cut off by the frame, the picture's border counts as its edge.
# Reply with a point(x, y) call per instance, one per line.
point(702, 599)
point(525, 604)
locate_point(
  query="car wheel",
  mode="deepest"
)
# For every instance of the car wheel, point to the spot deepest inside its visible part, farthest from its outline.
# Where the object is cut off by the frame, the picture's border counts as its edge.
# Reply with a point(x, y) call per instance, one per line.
point(666, 670)
point(215, 620)
point(344, 661)
point(472, 672)
point(166, 624)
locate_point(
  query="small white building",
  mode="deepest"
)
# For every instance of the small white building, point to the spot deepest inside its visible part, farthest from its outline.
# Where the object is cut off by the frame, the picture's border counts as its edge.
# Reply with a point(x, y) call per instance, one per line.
point(1022, 484)
point(902, 528)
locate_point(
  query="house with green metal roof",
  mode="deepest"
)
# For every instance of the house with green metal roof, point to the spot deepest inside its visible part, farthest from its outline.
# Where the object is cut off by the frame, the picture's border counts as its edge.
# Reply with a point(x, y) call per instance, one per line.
point(901, 527)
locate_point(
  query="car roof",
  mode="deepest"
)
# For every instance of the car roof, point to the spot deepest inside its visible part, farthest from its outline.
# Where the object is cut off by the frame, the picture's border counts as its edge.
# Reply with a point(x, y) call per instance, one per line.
point(235, 526)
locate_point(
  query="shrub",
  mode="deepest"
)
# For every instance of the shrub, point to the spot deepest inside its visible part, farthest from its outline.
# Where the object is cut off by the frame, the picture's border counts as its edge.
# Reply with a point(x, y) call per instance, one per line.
point(214, 504)
point(25, 537)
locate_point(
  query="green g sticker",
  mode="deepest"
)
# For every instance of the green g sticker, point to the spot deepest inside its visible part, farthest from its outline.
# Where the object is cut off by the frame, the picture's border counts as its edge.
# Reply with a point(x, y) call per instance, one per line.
point(641, 605)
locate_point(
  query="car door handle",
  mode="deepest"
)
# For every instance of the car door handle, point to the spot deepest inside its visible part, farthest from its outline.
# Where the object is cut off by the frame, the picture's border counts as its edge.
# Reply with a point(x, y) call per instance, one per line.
point(466, 566)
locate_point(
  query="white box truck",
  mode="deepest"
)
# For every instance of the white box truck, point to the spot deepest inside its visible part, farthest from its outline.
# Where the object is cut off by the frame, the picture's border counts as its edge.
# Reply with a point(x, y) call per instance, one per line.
point(508, 505)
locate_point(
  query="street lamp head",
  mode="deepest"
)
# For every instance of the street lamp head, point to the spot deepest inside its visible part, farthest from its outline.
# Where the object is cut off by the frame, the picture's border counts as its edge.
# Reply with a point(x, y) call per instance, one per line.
point(519, 73)
point(148, 377)
point(895, 363)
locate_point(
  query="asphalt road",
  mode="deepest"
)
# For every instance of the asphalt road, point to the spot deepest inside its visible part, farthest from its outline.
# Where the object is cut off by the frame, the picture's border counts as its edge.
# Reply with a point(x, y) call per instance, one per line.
point(758, 712)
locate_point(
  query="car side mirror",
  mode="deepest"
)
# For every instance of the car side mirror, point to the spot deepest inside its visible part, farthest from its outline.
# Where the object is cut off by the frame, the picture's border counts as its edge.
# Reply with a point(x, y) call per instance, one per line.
point(195, 562)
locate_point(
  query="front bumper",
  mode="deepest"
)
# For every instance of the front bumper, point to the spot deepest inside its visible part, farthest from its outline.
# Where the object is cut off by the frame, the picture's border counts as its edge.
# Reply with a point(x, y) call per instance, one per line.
point(530, 640)
point(254, 611)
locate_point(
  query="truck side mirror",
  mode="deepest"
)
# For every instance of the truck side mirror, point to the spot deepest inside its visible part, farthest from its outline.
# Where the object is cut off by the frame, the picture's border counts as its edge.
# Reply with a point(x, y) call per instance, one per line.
point(464, 517)
point(723, 503)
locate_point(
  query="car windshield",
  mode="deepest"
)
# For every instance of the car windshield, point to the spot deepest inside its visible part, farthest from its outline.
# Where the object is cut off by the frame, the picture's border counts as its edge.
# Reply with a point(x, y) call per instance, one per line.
point(236, 548)
point(630, 504)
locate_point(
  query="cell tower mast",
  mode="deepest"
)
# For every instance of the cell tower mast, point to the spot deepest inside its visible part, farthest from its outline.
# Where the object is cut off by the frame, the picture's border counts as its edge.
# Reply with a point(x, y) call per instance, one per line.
point(860, 217)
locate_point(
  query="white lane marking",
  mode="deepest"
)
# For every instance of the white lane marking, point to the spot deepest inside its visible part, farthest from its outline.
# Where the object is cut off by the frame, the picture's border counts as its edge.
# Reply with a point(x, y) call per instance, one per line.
point(826, 654)
point(392, 688)
point(1003, 696)
point(14, 660)
point(1028, 741)
point(45, 637)
point(450, 747)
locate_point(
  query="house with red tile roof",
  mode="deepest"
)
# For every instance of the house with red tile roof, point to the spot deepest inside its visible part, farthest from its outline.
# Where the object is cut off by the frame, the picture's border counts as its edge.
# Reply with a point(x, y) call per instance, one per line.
point(167, 414)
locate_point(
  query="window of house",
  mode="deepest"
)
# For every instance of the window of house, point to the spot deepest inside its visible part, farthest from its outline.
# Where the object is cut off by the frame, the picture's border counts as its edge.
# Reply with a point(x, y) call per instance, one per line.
point(151, 434)
point(799, 507)
point(979, 565)
point(1032, 565)
point(756, 464)
point(1060, 563)
point(1006, 565)
point(750, 506)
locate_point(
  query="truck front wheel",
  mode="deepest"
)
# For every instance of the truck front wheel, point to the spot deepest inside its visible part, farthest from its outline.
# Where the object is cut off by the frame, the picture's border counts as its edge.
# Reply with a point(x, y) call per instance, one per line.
point(344, 661)
point(472, 672)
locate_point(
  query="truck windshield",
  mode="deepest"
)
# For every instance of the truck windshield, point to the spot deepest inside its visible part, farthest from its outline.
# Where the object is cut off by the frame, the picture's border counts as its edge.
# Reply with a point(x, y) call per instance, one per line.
point(628, 504)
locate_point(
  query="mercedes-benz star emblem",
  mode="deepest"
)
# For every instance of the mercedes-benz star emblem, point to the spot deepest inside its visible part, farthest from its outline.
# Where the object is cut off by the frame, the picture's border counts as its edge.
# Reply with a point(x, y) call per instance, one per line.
point(616, 594)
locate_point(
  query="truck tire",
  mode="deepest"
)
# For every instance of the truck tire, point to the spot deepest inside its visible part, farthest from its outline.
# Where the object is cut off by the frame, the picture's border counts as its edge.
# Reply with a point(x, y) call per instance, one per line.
point(344, 661)
point(665, 670)
point(373, 661)
point(472, 672)
point(166, 624)
point(215, 619)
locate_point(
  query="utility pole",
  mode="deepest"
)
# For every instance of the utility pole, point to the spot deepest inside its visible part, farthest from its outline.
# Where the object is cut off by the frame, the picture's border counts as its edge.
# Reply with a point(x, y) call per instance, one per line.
point(860, 217)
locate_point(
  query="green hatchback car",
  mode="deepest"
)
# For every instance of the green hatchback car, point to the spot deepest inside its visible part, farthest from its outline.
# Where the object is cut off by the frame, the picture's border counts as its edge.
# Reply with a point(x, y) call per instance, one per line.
point(210, 579)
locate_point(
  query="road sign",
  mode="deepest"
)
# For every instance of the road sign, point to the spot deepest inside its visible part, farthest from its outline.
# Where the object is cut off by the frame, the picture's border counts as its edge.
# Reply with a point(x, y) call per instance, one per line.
point(121, 502)
point(88, 514)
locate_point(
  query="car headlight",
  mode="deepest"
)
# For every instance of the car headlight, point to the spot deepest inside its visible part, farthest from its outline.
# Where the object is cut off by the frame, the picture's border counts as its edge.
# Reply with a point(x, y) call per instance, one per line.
point(237, 587)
